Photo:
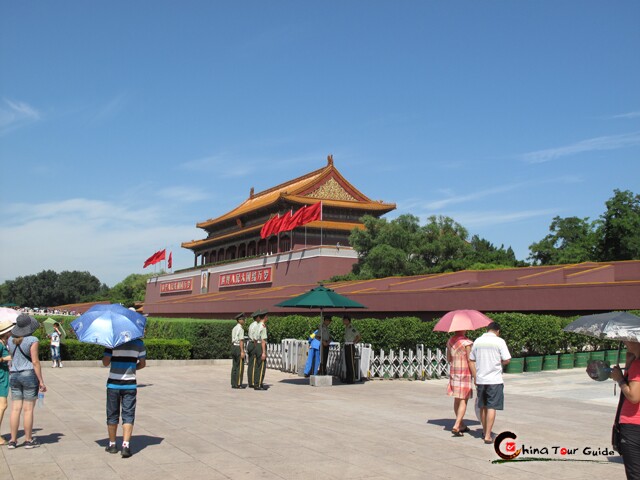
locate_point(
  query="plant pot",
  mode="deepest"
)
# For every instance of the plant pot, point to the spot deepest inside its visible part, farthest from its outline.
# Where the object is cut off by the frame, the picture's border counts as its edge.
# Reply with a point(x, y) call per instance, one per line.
point(599, 355)
point(533, 364)
point(516, 365)
point(582, 359)
point(550, 362)
point(566, 360)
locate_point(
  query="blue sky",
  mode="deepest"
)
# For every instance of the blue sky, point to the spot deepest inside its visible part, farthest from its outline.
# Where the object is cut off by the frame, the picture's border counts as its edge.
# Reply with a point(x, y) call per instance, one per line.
point(122, 124)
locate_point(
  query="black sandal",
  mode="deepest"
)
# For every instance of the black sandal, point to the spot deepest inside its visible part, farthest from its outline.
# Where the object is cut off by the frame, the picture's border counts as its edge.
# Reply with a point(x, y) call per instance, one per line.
point(465, 429)
point(456, 433)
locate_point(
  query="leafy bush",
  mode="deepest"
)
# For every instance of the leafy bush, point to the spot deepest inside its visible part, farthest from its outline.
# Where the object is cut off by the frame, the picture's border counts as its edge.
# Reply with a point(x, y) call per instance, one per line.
point(157, 349)
point(208, 338)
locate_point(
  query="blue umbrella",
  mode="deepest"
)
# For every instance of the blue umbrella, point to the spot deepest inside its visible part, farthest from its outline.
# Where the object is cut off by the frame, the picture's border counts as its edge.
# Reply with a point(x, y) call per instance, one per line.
point(109, 325)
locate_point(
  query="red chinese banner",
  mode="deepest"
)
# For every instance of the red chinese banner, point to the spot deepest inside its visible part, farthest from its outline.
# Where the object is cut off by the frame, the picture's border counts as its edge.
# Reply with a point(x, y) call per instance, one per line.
point(177, 286)
point(248, 277)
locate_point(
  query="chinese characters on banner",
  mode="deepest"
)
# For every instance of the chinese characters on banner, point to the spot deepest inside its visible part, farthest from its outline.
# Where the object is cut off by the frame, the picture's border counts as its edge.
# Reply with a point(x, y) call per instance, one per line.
point(248, 277)
point(176, 286)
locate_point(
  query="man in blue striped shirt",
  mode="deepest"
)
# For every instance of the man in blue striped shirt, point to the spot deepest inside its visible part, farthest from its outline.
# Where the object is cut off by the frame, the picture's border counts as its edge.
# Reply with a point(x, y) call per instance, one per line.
point(125, 360)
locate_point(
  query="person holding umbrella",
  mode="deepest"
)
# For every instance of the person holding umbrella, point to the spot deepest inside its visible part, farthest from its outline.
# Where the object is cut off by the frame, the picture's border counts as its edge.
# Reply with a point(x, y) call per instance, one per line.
point(460, 385)
point(124, 361)
point(120, 331)
point(629, 421)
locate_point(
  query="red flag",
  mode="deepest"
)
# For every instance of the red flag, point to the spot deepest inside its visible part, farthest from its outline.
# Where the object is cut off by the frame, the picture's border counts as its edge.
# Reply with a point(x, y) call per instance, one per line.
point(294, 220)
point(312, 214)
point(155, 258)
point(267, 228)
point(282, 225)
point(170, 261)
point(162, 254)
point(149, 261)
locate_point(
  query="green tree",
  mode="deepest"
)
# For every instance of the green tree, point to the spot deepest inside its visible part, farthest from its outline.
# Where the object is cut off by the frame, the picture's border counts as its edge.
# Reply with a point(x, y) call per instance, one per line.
point(131, 290)
point(572, 240)
point(484, 255)
point(48, 288)
point(443, 246)
point(619, 230)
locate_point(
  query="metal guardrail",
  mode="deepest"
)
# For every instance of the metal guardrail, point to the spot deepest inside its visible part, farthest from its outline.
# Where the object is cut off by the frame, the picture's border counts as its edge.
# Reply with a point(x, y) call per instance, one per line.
point(291, 355)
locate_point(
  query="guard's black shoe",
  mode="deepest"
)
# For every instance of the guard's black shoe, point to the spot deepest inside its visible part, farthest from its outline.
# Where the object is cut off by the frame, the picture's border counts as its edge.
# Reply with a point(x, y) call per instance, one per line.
point(126, 452)
point(111, 448)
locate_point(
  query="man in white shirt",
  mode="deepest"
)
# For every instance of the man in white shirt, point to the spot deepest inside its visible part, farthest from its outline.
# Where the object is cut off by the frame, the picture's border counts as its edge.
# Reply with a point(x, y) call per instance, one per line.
point(488, 354)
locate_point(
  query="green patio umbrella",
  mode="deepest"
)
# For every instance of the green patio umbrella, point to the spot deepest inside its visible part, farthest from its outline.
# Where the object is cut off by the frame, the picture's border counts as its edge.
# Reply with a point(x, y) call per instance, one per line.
point(48, 327)
point(320, 297)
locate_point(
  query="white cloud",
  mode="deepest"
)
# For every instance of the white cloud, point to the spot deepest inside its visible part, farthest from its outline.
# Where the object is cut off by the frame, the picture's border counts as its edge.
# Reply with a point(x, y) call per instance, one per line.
point(183, 194)
point(489, 218)
point(222, 165)
point(110, 240)
point(16, 114)
point(610, 142)
point(110, 109)
point(626, 115)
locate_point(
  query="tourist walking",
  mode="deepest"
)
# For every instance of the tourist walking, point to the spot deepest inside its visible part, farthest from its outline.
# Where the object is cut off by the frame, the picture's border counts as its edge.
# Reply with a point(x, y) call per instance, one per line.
point(629, 410)
point(488, 354)
point(5, 358)
point(237, 352)
point(124, 362)
point(25, 378)
point(351, 337)
point(460, 385)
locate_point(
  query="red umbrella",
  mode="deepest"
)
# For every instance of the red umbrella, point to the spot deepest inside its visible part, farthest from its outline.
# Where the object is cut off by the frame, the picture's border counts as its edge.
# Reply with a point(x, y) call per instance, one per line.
point(462, 320)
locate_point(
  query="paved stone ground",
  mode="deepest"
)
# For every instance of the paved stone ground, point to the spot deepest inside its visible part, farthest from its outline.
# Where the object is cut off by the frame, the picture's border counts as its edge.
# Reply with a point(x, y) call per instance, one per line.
point(191, 424)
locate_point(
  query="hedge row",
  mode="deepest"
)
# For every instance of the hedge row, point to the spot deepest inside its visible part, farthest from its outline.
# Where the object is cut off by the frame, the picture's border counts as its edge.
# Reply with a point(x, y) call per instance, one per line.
point(157, 349)
point(525, 334)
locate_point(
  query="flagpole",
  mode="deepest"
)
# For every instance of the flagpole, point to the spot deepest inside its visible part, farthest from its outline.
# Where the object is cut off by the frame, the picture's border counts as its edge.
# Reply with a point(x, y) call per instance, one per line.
point(320, 224)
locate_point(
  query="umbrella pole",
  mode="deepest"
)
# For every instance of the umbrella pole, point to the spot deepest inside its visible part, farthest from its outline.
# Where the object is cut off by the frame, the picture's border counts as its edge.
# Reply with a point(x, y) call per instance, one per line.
point(619, 351)
point(322, 344)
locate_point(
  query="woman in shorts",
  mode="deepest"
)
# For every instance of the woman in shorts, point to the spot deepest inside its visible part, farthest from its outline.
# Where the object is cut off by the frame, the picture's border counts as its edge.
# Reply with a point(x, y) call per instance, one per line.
point(5, 358)
point(25, 378)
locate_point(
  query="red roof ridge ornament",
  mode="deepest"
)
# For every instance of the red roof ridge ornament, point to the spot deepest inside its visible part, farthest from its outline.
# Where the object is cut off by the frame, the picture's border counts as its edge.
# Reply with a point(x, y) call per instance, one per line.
point(330, 160)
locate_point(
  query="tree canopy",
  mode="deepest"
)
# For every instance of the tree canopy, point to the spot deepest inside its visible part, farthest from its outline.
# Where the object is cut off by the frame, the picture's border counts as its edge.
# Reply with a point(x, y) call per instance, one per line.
point(404, 247)
point(614, 236)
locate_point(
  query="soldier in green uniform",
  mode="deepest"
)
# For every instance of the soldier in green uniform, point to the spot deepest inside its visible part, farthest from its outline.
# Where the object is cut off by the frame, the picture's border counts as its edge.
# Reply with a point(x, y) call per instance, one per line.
point(351, 337)
point(237, 352)
point(260, 345)
point(251, 348)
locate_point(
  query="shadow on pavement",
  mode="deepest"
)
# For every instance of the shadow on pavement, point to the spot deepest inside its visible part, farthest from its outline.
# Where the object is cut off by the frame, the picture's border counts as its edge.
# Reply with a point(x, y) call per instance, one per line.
point(138, 442)
point(447, 425)
point(50, 438)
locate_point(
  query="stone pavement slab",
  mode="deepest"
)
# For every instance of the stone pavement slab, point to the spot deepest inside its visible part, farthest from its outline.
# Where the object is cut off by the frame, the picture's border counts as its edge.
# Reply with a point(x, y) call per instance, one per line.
point(191, 424)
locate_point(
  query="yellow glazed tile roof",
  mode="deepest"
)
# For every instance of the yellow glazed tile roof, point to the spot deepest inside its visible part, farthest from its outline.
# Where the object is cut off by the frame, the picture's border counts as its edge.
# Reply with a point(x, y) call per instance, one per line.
point(294, 190)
